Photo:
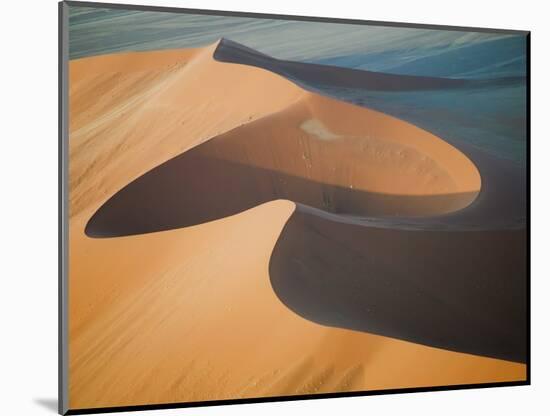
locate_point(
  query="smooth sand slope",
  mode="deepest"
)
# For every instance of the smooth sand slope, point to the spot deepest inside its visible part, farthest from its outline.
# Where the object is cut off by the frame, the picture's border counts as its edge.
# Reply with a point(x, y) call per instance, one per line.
point(190, 314)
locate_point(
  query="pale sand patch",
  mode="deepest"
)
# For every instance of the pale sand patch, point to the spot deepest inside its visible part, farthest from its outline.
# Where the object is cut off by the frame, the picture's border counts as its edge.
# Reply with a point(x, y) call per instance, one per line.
point(316, 128)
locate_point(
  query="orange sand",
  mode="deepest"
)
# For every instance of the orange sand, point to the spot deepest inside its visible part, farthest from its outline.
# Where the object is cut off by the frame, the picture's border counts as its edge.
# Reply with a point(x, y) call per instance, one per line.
point(189, 314)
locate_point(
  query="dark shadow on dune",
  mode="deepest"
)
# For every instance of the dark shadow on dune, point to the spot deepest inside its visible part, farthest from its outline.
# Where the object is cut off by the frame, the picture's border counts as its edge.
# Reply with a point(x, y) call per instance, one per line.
point(311, 75)
point(233, 52)
point(194, 188)
point(458, 290)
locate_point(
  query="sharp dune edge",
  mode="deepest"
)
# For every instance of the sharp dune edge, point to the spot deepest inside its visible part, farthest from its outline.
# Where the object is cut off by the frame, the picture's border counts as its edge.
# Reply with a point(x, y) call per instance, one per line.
point(190, 314)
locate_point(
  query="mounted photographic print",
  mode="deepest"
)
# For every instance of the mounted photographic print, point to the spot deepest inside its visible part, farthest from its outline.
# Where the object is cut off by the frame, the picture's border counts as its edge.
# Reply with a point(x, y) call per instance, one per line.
point(262, 207)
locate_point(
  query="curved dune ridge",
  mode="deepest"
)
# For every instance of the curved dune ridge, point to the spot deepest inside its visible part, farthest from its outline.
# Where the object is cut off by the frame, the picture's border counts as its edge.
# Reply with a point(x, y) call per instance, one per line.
point(211, 153)
point(319, 152)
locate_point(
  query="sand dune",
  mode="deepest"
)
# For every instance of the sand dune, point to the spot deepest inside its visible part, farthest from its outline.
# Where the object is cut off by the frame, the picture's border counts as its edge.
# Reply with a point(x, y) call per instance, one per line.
point(356, 161)
point(190, 314)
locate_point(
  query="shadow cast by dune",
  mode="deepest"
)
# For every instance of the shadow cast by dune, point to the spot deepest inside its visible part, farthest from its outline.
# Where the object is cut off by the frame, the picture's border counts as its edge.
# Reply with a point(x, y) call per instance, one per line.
point(312, 75)
point(195, 188)
point(233, 52)
point(458, 290)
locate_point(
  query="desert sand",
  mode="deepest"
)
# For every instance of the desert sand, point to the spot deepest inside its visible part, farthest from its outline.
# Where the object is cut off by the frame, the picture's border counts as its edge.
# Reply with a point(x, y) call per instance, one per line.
point(180, 306)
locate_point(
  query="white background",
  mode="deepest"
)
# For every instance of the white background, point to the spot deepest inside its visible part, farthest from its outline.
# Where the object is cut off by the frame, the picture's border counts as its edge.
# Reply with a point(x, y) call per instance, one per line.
point(28, 195)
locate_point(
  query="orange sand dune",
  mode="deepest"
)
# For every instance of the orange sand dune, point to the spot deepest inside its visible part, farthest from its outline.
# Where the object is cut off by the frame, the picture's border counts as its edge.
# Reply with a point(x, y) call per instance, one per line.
point(189, 314)
point(124, 120)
